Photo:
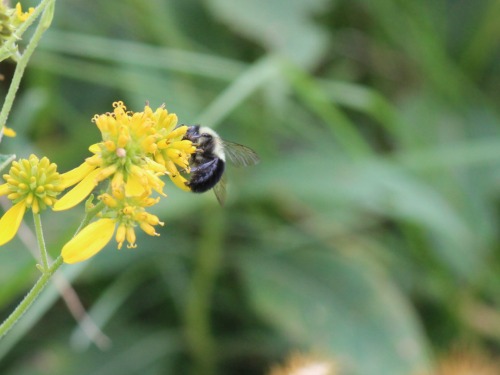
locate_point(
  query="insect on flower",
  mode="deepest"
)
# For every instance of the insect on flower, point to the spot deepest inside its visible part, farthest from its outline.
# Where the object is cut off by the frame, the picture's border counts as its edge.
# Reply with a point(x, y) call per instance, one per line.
point(208, 162)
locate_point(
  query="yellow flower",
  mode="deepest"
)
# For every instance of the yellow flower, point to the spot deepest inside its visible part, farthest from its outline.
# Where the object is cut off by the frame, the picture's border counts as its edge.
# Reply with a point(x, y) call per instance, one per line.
point(8, 132)
point(173, 151)
point(136, 149)
point(10, 222)
point(123, 213)
point(10, 19)
point(89, 241)
point(30, 183)
point(23, 16)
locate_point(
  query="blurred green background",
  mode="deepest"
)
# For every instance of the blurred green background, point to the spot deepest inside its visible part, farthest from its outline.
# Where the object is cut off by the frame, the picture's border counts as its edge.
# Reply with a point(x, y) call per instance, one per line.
point(368, 233)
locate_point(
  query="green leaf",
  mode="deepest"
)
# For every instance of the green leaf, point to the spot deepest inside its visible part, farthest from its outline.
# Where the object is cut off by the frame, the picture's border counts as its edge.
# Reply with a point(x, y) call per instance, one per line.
point(375, 186)
point(339, 304)
point(5, 160)
point(281, 26)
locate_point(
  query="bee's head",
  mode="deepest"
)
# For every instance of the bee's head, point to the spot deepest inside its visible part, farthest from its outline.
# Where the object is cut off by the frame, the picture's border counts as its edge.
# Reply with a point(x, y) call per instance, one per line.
point(192, 133)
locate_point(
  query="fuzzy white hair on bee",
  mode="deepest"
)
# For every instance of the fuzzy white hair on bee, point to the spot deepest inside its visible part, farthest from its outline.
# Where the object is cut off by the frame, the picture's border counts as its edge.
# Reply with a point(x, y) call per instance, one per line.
point(218, 147)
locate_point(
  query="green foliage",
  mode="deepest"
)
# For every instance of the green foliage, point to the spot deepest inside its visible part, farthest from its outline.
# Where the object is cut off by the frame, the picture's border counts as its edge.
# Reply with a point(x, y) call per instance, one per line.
point(368, 233)
point(5, 160)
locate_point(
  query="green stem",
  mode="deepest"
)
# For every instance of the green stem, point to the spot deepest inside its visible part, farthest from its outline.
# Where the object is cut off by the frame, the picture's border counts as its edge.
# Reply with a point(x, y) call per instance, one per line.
point(30, 297)
point(23, 60)
point(47, 7)
point(47, 271)
point(14, 38)
point(90, 214)
point(41, 242)
point(199, 299)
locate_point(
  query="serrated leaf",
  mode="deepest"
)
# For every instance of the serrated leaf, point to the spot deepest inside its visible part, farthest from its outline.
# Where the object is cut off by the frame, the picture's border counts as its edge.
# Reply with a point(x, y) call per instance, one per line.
point(338, 304)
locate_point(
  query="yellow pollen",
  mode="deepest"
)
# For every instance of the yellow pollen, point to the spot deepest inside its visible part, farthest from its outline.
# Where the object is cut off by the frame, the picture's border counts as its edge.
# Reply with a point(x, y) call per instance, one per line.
point(109, 200)
point(118, 194)
point(173, 153)
point(110, 145)
point(163, 144)
point(121, 232)
point(128, 210)
point(123, 140)
point(149, 229)
point(153, 220)
point(131, 237)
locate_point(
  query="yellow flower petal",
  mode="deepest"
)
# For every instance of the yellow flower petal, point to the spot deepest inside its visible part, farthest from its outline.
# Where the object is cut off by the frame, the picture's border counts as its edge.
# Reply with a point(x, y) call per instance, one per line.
point(23, 16)
point(95, 148)
point(131, 237)
point(76, 175)
point(78, 193)
point(4, 189)
point(10, 222)
point(121, 232)
point(8, 132)
point(180, 182)
point(105, 172)
point(134, 187)
point(89, 241)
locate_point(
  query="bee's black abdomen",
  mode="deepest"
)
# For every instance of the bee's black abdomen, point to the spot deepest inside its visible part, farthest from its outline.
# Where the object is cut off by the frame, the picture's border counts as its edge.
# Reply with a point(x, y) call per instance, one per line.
point(205, 176)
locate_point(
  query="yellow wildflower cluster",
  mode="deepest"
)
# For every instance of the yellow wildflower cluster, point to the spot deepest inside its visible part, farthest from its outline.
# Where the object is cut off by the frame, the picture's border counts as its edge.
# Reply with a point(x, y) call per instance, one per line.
point(10, 19)
point(30, 183)
point(122, 212)
point(135, 151)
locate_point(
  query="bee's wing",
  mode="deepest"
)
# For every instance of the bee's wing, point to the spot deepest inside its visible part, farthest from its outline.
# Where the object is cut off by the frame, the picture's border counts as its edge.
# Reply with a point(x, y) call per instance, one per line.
point(239, 155)
point(220, 190)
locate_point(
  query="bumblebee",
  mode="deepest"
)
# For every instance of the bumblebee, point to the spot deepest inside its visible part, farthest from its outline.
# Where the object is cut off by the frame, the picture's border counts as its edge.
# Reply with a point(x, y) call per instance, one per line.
point(208, 163)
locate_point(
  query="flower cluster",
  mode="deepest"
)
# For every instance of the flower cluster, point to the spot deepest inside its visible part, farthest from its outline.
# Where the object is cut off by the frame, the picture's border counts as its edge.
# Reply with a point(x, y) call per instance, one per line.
point(136, 150)
point(122, 212)
point(10, 19)
point(30, 183)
